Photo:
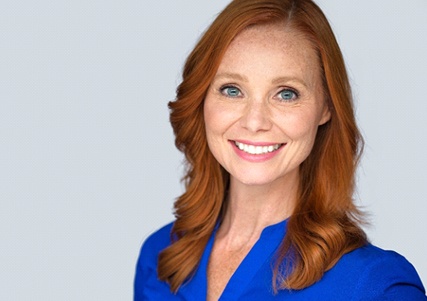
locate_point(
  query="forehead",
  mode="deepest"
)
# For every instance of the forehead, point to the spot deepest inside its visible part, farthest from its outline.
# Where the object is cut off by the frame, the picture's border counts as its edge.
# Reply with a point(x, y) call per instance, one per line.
point(275, 44)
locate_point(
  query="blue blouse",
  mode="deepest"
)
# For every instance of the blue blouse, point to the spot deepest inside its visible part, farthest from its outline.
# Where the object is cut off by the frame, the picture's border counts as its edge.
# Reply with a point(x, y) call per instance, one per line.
point(367, 273)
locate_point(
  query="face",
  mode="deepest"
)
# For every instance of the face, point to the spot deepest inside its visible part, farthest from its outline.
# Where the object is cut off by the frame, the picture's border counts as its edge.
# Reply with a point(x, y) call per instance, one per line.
point(264, 106)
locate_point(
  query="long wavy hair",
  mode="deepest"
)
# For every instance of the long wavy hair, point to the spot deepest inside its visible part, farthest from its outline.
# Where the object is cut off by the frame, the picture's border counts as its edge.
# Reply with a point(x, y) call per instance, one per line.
point(325, 222)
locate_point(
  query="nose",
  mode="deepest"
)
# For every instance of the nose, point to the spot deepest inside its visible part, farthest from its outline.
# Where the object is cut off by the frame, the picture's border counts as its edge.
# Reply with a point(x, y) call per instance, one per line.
point(256, 117)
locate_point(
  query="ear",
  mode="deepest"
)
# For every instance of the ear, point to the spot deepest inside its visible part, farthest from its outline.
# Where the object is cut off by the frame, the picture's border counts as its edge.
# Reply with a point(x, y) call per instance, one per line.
point(326, 115)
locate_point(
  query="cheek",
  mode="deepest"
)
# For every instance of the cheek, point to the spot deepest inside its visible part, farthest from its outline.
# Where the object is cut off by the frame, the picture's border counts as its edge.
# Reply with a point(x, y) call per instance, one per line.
point(300, 126)
point(214, 123)
point(218, 117)
point(211, 119)
point(214, 127)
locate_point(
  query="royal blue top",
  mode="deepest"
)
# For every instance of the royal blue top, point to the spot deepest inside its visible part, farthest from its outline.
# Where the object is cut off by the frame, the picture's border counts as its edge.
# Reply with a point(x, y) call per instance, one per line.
point(367, 273)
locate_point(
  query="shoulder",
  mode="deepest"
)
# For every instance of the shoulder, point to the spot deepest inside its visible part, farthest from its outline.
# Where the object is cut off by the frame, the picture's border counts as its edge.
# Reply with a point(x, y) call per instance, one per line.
point(146, 268)
point(157, 241)
point(152, 246)
point(371, 259)
point(379, 273)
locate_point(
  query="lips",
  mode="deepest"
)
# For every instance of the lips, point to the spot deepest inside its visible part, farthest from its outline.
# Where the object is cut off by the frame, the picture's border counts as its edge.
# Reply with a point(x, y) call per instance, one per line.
point(257, 149)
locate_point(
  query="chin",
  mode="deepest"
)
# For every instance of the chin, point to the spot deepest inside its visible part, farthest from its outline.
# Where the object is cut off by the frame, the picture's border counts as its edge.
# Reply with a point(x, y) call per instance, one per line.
point(254, 180)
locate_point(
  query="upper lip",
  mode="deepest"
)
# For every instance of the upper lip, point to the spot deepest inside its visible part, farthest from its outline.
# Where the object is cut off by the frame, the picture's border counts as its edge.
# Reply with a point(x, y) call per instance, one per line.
point(257, 143)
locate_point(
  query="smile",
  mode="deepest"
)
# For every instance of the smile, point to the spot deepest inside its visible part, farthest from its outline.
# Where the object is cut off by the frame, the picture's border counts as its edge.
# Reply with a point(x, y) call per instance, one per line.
point(257, 149)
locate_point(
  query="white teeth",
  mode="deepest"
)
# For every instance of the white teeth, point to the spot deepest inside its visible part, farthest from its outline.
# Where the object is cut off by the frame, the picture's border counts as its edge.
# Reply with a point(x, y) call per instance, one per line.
point(257, 150)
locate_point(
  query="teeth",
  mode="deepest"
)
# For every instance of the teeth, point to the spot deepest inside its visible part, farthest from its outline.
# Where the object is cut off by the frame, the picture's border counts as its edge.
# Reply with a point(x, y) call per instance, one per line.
point(257, 150)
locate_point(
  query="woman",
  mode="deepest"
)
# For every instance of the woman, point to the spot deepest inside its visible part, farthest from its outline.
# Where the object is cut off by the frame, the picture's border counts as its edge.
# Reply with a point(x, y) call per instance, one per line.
point(264, 117)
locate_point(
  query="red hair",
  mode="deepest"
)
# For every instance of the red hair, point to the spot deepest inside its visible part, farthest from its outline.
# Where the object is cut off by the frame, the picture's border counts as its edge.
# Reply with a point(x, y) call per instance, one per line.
point(325, 222)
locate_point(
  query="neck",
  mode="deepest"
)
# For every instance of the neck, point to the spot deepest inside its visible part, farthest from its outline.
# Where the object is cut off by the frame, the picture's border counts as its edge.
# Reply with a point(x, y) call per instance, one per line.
point(251, 208)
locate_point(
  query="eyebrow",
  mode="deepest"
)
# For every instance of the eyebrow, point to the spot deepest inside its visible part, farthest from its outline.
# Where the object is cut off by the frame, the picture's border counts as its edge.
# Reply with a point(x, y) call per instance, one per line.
point(229, 75)
point(277, 80)
point(289, 79)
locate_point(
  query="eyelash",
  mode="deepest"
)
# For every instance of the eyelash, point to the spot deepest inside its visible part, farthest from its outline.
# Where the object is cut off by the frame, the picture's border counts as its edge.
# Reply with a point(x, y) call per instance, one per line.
point(223, 89)
point(296, 94)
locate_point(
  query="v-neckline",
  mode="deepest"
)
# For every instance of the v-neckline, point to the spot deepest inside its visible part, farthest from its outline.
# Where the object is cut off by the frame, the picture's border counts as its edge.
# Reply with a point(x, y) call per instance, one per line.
point(262, 251)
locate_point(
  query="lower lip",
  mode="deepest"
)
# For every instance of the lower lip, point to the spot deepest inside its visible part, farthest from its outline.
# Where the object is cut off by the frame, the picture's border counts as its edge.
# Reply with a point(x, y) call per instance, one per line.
point(255, 158)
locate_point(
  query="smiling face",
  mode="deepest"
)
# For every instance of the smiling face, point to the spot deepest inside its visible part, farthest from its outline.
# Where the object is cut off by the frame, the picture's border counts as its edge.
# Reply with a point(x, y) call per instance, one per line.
point(264, 105)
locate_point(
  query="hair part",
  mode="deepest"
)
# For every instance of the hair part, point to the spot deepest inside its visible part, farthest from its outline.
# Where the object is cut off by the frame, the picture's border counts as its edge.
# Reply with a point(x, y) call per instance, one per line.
point(325, 222)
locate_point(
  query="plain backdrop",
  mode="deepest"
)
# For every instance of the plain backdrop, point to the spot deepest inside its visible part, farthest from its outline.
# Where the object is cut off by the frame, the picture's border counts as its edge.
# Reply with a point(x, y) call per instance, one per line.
point(88, 166)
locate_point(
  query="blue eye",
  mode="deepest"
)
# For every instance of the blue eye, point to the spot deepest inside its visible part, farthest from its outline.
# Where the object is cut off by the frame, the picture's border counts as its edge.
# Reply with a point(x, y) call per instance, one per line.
point(230, 91)
point(288, 95)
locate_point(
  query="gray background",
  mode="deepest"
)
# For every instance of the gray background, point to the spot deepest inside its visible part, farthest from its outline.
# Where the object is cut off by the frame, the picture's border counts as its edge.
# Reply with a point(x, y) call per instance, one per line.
point(87, 163)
